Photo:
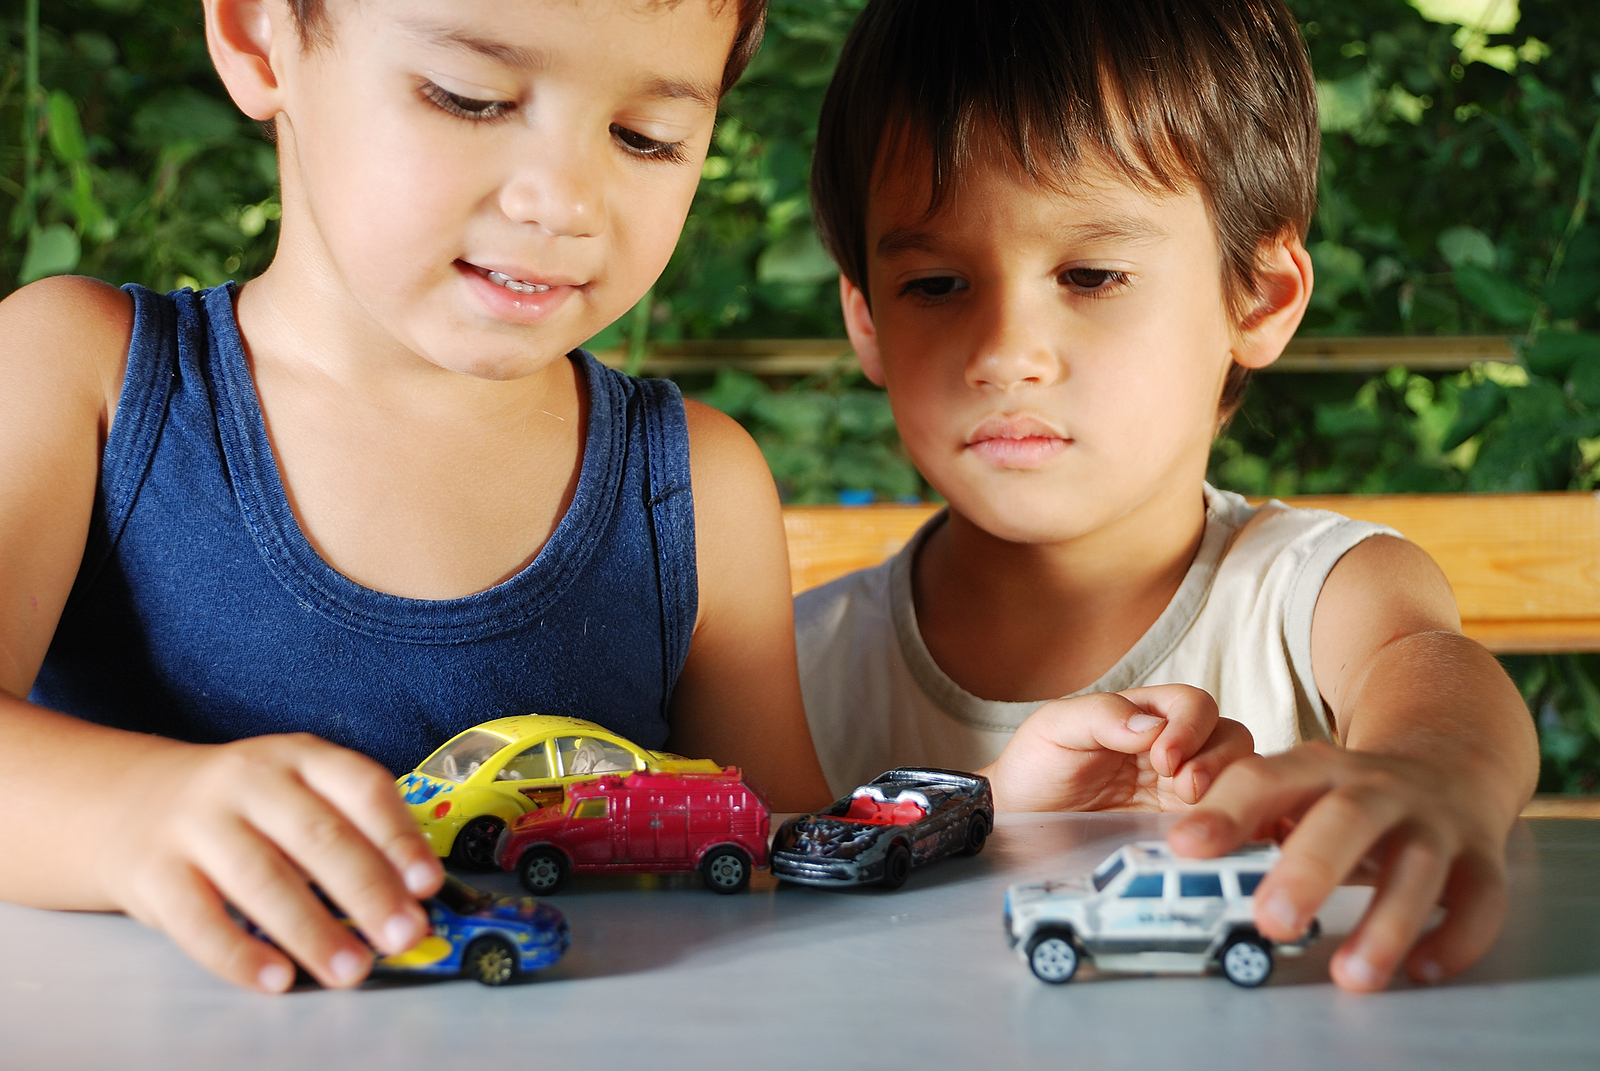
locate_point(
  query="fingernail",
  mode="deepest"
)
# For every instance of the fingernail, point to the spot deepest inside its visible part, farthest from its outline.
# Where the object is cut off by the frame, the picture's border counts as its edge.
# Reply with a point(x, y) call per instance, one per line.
point(399, 933)
point(419, 878)
point(1361, 972)
point(1202, 782)
point(275, 978)
point(1429, 971)
point(1143, 723)
point(346, 967)
point(1281, 910)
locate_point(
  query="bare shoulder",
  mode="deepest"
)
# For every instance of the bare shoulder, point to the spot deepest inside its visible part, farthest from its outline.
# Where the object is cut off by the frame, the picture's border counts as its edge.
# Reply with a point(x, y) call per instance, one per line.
point(1388, 584)
point(725, 464)
point(67, 334)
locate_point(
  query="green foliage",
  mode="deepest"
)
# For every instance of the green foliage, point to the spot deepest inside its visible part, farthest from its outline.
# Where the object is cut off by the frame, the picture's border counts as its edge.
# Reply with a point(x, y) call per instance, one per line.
point(123, 158)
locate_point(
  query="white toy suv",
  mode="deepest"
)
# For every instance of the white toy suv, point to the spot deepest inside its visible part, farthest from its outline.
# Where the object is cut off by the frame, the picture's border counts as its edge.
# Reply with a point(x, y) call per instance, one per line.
point(1146, 909)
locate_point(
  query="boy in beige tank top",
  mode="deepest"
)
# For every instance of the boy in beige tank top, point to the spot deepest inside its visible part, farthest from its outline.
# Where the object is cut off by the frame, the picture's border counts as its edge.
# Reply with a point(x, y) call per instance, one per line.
point(1067, 233)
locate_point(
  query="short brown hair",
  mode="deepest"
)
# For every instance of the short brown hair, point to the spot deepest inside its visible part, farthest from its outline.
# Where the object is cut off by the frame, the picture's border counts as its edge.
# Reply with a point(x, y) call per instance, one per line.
point(310, 18)
point(1216, 95)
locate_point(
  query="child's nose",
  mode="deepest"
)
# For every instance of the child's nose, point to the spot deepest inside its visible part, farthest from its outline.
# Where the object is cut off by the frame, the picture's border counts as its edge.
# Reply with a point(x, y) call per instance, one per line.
point(558, 193)
point(1013, 350)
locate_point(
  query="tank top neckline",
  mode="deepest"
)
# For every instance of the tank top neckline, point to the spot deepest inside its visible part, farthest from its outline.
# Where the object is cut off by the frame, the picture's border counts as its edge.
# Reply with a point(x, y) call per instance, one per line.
point(258, 486)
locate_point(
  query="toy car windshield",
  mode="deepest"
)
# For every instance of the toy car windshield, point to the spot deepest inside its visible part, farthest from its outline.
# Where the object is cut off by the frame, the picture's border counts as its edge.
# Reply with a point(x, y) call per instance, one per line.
point(462, 898)
point(461, 759)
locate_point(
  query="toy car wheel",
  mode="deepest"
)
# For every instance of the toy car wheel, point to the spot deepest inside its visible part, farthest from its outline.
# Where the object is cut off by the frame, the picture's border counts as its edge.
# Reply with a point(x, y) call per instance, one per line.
point(491, 960)
point(896, 866)
point(1247, 961)
point(1053, 957)
point(977, 835)
point(474, 846)
point(726, 870)
point(542, 871)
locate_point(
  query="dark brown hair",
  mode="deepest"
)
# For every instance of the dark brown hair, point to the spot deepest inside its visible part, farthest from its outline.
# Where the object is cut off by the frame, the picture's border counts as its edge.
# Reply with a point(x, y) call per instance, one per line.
point(310, 17)
point(1214, 95)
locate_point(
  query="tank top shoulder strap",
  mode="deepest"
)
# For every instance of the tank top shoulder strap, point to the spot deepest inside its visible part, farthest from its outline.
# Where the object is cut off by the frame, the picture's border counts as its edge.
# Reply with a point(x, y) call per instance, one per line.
point(658, 414)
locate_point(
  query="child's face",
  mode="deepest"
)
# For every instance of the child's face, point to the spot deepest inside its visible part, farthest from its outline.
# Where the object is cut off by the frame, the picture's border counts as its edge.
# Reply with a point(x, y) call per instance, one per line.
point(1054, 358)
point(438, 151)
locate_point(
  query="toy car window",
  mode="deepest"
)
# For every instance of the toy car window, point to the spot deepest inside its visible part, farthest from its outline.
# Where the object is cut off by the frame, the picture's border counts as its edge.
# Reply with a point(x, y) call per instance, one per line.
point(461, 757)
point(1144, 887)
point(1107, 872)
point(1248, 883)
point(531, 764)
point(582, 755)
point(595, 808)
point(460, 897)
point(1199, 884)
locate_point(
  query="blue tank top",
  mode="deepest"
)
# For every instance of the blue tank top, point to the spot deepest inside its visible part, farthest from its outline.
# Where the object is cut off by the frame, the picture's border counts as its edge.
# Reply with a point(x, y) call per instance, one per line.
point(201, 612)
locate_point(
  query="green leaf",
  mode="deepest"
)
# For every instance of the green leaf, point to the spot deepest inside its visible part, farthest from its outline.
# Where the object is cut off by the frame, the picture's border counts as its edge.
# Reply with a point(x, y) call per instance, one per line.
point(734, 392)
point(1572, 293)
point(52, 250)
point(66, 132)
point(1480, 404)
point(1555, 352)
point(1585, 379)
point(798, 258)
point(1502, 299)
point(183, 115)
point(1467, 245)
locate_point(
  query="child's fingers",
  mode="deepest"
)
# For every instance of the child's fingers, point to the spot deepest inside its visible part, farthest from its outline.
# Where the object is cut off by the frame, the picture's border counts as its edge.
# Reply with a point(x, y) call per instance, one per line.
point(1475, 902)
point(187, 908)
point(1251, 792)
point(1190, 715)
point(1099, 721)
point(364, 792)
point(1327, 843)
point(1230, 741)
point(1414, 872)
point(342, 861)
point(254, 876)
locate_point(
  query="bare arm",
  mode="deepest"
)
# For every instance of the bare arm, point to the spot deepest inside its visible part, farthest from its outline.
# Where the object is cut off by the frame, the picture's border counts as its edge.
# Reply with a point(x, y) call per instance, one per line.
point(738, 698)
point(1439, 757)
point(163, 830)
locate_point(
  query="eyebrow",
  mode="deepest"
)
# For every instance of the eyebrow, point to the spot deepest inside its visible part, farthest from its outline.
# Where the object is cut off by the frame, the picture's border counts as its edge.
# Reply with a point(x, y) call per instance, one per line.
point(527, 59)
point(1131, 229)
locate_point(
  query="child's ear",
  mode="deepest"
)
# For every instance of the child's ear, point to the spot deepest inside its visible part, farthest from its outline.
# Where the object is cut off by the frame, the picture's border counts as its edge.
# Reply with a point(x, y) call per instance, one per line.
point(858, 325)
point(241, 35)
point(1284, 278)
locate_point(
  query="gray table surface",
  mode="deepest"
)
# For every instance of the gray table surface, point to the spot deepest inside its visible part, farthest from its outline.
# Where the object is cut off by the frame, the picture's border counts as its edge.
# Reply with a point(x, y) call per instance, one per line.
point(664, 974)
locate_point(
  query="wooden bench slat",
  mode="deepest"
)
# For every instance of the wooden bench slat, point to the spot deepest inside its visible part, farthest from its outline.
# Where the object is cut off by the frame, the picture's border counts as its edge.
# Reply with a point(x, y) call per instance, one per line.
point(1525, 567)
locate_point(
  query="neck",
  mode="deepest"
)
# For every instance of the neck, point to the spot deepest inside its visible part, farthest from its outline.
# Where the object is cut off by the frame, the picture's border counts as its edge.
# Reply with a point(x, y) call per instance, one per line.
point(1026, 621)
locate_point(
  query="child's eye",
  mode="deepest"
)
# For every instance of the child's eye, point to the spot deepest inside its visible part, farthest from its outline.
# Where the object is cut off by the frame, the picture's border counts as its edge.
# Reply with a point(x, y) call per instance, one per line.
point(1092, 280)
point(648, 148)
point(475, 111)
point(934, 288)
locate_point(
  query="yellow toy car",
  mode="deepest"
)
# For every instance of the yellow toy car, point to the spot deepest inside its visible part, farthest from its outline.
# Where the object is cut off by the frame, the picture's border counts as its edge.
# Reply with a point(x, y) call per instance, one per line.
point(483, 779)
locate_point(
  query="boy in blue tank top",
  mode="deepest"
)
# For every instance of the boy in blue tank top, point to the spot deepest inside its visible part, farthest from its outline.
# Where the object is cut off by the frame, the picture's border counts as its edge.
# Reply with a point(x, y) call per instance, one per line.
point(367, 498)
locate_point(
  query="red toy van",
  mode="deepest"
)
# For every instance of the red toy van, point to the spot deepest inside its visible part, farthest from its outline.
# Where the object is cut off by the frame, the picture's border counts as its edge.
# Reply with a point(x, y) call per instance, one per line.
point(642, 823)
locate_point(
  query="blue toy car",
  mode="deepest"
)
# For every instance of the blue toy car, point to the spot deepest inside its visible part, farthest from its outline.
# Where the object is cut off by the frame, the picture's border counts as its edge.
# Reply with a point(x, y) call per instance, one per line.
point(477, 934)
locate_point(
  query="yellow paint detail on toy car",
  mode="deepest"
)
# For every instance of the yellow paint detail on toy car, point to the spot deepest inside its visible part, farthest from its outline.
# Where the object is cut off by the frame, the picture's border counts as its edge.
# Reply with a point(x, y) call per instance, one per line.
point(428, 950)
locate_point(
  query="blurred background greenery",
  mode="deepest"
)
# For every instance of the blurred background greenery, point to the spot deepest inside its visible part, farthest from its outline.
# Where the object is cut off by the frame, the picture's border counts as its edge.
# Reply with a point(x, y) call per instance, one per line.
point(1459, 153)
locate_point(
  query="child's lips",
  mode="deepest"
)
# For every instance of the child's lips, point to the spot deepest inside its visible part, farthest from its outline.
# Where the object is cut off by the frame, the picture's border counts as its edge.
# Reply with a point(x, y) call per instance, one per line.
point(517, 295)
point(1017, 442)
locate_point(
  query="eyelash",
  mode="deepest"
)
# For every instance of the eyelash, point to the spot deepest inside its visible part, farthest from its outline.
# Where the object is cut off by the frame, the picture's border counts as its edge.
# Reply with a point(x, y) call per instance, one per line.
point(1109, 282)
point(489, 111)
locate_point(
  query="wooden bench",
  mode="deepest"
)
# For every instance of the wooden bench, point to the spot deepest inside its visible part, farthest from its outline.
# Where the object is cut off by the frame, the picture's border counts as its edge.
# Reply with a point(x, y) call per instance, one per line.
point(1525, 567)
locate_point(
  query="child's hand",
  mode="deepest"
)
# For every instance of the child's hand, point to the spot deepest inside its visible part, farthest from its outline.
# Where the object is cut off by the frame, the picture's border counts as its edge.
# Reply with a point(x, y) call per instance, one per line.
point(250, 824)
point(1428, 835)
point(1146, 749)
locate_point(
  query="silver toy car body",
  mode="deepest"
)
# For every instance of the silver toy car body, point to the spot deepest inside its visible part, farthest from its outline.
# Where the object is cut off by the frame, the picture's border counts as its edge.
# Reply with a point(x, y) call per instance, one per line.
point(1146, 909)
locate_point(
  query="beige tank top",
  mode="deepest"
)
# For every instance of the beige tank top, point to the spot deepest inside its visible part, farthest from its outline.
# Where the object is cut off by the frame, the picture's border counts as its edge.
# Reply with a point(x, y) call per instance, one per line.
point(1239, 627)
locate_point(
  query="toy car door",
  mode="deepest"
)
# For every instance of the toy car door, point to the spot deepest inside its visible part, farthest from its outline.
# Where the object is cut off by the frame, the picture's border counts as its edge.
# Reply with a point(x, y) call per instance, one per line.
point(1135, 918)
point(528, 773)
point(1200, 905)
point(588, 836)
point(667, 825)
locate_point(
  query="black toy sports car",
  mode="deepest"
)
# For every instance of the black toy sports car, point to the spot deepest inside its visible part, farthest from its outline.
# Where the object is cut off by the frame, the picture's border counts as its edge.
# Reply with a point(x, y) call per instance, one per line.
point(907, 817)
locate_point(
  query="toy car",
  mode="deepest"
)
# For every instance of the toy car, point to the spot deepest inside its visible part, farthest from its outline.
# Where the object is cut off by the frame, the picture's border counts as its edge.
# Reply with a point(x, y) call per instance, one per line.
point(476, 934)
point(1146, 909)
point(467, 792)
point(646, 823)
point(905, 818)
